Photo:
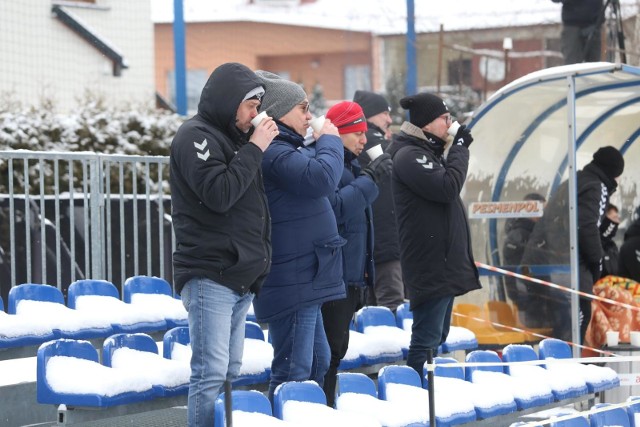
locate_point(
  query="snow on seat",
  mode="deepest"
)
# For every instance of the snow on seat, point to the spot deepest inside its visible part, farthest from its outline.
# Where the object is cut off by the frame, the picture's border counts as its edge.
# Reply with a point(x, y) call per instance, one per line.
point(373, 350)
point(154, 293)
point(18, 331)
point(450, 381)
point(564, 384)
point(46, 304)
point(305, 404)
point(256, 357)
point(137, 354)
point(380, 323)
point(68, 372)
point(402, 386)
point(101, 299)
point(597, 378)
point(526, 394)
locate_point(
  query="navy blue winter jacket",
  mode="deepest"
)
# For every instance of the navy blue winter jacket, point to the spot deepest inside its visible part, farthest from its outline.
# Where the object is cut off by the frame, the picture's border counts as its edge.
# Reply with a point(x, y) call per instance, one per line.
point(352, 206)
point(307, 249)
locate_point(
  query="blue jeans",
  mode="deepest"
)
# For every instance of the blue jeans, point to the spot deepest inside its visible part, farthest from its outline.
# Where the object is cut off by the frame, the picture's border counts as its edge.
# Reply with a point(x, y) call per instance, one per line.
point(431, 323)
point(216, 331)
point(300, 348)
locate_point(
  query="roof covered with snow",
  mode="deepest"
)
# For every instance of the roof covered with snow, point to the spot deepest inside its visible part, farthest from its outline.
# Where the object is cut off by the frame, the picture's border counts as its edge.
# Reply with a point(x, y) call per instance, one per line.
point(376, 16)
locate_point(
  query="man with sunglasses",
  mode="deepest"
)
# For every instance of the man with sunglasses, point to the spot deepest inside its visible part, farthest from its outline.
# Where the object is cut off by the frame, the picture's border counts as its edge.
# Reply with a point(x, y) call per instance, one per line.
point(435, 243)
point(307, 249)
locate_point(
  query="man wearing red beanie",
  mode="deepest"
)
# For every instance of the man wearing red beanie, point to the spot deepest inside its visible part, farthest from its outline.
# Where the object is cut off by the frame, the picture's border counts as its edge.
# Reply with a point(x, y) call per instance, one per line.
point(351, 203)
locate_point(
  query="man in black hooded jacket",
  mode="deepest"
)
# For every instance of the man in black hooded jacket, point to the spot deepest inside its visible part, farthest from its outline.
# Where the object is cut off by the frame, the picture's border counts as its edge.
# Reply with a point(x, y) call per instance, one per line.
point(222, 226)
point(630, 252)
point(549, 243)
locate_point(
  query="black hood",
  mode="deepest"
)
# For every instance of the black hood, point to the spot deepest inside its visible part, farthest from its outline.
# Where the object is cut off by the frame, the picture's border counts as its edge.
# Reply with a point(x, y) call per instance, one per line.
point(223, 93)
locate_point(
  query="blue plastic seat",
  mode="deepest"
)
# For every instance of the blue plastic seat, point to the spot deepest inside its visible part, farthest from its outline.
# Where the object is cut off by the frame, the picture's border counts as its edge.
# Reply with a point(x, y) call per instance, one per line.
point(504, 405)
point(576, 421)
point(121, 322)
point(592, 374)
point(178, 335)
point(298, 391)
point(81, 350)
point(155, 286)
point(145, 344)
point(253, 330)
point(371, 316)
point(241, 400)
point(403, 313)
point(62, 328)
point(613, 417)
point(40, 333)
point(352, 382)
point(497, 376)
point(568, 386)
point(633, 409)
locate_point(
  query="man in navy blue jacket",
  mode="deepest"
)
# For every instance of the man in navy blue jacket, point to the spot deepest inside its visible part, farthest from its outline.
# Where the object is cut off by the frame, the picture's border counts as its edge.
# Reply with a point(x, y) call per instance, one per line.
point(307, 249)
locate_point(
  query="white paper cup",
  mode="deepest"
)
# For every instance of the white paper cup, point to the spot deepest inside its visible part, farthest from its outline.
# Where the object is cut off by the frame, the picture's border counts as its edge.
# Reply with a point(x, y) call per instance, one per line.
point(316, 123)
point(635, 338)
point(257, 119)
point(613, 338)
point(453, 129)
point(375, 152)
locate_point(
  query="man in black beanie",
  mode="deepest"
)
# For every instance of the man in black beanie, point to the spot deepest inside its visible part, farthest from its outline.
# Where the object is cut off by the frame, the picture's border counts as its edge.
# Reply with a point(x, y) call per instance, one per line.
point(388, 289)
point(435, 243)
point(549, 242)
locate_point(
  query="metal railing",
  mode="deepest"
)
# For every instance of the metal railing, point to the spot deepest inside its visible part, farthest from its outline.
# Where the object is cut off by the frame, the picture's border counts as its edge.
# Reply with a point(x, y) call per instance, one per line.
point(67, 216)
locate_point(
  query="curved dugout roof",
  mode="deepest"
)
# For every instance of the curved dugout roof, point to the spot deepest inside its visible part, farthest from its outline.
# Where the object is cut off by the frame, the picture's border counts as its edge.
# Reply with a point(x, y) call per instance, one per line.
point(523, 139)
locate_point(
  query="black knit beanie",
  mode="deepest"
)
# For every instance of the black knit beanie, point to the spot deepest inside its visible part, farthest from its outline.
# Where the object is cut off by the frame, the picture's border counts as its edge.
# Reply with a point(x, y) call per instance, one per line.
point(423, 108)
point(371, 103)
point(610, 161)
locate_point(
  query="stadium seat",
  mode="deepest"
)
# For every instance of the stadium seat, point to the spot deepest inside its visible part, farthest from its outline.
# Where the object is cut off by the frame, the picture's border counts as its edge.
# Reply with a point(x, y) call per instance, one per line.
point(296, 391)
point(380, 323)
point(256, 357)
point(46, 302)
point(68, 372)
point(488, 401)
point(564, 384)
point(633, 410)
point(139, 353)
point(617, 417)
point(404, 317)
point(506, 314)
point(156, 294)
point(575, 421)
point(474, 318)
point(101, 299)
point(247, 401)
point(597, 378)
point(253, 330)
point(179, 335)
point(526, 394)
point(19, 331)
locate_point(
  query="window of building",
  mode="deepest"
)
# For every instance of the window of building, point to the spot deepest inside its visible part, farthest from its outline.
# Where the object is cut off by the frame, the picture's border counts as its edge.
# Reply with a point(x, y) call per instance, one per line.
point(459, 72)
point(356, 77)
point(196, 80)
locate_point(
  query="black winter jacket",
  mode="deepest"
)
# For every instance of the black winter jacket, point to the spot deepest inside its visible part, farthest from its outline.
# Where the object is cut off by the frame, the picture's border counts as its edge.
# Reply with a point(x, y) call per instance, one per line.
point(219, 207)
point(387, 245)
point(435, 243)
point(630, 253)
point(580, 13)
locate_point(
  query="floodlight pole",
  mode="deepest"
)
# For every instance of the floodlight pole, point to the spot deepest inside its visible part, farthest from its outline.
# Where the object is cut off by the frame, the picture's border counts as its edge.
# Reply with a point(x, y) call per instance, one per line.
point(573, 212)
point(180, 57)
point(411, 83)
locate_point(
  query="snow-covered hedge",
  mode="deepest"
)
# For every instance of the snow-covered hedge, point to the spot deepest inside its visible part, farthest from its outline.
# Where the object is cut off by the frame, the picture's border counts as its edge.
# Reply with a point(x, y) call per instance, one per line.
point(93, 127)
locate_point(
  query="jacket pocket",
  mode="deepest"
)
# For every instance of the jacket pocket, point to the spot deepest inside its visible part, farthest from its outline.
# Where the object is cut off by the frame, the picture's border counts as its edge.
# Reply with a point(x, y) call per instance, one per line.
point(329, 259)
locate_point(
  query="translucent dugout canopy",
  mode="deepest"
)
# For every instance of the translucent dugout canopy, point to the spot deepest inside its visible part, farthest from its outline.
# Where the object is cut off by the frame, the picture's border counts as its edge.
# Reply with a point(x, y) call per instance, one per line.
point(524, 142)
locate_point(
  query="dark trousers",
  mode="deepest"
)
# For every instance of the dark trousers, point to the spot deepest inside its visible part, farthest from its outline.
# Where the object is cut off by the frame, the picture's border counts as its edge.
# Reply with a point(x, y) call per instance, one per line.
point(431, 323)
point(337, 316)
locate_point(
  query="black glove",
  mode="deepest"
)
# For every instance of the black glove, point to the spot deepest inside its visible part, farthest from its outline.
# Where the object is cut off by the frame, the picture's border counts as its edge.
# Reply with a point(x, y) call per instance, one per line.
point(379, 168)
point(463, 137)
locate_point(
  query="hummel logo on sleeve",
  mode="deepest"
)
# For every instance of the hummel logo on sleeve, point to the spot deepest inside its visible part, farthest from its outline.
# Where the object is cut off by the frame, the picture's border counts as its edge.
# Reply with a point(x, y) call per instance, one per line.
point(638, 255)
point(201, 147)
point(423, 162)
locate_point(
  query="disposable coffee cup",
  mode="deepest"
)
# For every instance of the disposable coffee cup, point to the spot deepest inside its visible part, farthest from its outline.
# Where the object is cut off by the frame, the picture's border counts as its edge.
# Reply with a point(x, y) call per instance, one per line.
point(316, 123)
point(453, 129)
point(635, 338)
point(375, 152)
point(613, 338)
point(257, 119)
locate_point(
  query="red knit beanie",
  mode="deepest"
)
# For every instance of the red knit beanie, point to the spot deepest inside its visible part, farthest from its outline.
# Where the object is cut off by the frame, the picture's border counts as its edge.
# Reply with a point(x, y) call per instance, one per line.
point(348, 117)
